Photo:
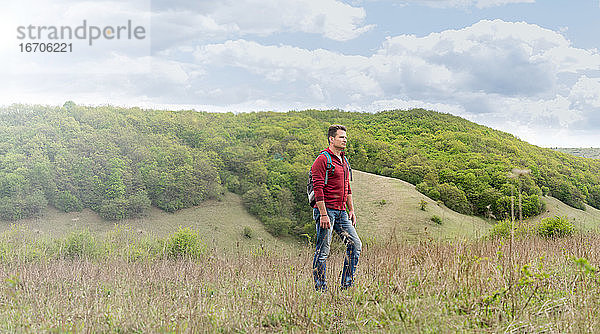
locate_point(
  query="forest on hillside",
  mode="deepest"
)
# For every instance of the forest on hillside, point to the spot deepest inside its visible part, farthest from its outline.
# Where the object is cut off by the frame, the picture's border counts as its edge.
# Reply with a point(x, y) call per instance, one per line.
point(120, 161)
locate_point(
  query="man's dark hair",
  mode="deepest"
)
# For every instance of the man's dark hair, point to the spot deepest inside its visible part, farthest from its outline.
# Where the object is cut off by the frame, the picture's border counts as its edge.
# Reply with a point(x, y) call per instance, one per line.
point(333, 130)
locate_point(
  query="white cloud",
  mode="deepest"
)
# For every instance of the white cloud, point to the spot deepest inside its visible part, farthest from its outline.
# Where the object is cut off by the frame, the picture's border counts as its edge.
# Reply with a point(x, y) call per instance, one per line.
point(495, 56)
point(468, 3)
point(511, 75)
point(489, 57)
point(349, 74)
point(316, 92)
point(177, 21)
point(125, 81)
point(586, 91)
point(74, 15)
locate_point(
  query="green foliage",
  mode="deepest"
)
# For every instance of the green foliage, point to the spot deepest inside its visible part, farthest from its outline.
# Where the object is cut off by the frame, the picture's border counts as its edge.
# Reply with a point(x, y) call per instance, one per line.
point(119, 161)
point(120, 208)
point(454, 198)
point(248, 232)
point(113, 209)
point(555, 227)
point(546, 192)
point(67, 202)
point(185, 243)
point(551, 227)
point(278, 226)
point(584, 266)
point(138, 204)
point(423, 205)
point(80, 244)
point(23, 206)
point(532, 205)
point(436, 219)
point(594, 196)
point(502, 229)
point(569, 194)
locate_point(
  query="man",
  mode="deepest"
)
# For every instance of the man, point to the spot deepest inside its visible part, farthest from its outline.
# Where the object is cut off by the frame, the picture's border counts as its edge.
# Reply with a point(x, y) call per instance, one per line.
point(329, 212)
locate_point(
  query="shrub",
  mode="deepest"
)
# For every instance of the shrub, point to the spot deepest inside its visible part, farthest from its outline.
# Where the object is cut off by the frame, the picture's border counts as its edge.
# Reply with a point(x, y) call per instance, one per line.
point(67, 202)
point(532, 205)
point(555, 227)
point(248, 232)
point(278, 226)
point(79, 244)
point(545, 191)
point(232, 183)
point(14, 208)
point(454, 198)
point(429, 191)
point(423, 205)
point(113, 209)
point(138, 204)
point(502, 229)
point(437, 220)
point(185, 243)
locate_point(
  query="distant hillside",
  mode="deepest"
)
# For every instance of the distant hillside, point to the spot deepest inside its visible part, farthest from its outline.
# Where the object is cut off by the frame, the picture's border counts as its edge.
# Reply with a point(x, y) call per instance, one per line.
point(591, 152)
point(388, 210)
point(222, 225)
point(123, 162)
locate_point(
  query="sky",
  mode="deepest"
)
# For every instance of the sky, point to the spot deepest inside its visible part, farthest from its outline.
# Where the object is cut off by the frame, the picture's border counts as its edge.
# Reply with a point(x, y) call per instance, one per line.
point(527, 67)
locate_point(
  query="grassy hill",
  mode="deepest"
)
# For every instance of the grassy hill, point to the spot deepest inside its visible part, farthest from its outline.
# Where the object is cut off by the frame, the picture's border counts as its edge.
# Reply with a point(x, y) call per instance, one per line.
point(122, 163)
point(388, 210)
point(221, 224)
point(586, 220)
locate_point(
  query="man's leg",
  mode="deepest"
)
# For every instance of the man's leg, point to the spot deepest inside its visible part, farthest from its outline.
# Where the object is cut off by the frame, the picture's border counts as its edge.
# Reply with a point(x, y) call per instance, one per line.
point(322, 251)
point(353, 244)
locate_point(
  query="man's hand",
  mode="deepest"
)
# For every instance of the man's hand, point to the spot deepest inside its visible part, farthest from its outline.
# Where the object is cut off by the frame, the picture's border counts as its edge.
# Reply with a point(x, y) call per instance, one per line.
point(325, 222)
point(352, 217)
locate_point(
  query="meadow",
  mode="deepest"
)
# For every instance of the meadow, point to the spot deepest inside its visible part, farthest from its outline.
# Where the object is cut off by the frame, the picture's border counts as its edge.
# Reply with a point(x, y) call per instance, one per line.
point(75, 272)
point(121, 282)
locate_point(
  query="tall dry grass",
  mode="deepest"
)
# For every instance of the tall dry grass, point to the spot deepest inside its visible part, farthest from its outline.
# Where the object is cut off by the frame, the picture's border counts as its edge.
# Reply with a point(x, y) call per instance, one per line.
point(420, 287)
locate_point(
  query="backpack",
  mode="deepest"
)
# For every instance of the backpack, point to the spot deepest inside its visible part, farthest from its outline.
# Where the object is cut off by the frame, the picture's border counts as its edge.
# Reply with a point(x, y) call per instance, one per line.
point(330, 168)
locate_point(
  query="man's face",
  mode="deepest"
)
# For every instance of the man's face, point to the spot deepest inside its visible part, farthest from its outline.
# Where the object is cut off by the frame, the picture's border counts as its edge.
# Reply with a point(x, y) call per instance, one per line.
point(339, 141)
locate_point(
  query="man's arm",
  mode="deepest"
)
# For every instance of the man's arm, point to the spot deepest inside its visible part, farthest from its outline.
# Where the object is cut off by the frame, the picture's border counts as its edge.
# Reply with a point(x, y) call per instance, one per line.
point(324, 220)
point(350, 206)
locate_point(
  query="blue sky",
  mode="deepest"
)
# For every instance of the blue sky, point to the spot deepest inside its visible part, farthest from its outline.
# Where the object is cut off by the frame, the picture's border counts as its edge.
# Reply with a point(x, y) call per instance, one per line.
point(531, 68)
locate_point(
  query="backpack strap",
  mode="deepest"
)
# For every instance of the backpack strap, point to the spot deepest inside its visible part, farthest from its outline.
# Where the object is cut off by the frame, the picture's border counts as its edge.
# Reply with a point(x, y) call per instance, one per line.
point(329, 167)
point(348, 164)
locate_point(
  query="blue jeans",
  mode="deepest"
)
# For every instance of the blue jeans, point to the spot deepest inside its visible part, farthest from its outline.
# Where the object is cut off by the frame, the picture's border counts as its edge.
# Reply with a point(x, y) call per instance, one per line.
point(343, 227)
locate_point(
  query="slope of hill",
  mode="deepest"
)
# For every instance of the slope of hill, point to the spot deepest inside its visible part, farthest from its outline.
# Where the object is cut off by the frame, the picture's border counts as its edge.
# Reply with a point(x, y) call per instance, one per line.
point(388, 210)
point(221, 224)
point(585, 220)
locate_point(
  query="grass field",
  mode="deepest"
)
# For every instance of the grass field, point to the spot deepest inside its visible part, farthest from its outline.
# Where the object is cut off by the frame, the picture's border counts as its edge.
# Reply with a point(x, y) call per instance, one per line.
point(77, 273)
point(546, 285)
